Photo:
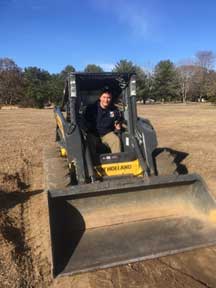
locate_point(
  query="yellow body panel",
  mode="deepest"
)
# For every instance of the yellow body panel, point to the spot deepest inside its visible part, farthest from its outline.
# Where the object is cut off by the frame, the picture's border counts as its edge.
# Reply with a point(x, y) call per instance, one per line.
point(118, 169)
point(60, 125)
point(63, 152)
point(111, 169)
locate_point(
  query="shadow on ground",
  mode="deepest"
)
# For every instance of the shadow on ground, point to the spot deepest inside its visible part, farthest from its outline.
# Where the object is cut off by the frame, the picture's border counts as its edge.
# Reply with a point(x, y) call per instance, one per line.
point(178, 157)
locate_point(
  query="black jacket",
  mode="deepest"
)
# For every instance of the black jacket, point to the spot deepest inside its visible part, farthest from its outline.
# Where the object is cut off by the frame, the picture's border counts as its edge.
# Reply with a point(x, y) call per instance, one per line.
point(101, 121)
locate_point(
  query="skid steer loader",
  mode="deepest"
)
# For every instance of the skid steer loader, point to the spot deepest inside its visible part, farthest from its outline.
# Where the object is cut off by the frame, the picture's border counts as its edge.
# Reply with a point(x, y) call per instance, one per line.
point(113, 209)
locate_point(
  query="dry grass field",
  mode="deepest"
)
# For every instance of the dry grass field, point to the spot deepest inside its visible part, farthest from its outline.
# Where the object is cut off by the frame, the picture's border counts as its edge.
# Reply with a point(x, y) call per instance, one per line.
point(24, 235)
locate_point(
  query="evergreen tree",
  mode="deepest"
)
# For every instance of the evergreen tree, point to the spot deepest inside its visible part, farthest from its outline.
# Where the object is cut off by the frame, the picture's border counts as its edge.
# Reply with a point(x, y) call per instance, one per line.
point(166, 83)
point(66, 71)
point(210, 86)
point(144, 84)
point(36, 87)
point(55, 88)
point(142, 80)
point(124, 66)
point(93, 68)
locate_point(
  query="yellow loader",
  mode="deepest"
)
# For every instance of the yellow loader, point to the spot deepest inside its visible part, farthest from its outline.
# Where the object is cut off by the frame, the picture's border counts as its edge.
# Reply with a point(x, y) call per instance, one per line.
point(118, 208)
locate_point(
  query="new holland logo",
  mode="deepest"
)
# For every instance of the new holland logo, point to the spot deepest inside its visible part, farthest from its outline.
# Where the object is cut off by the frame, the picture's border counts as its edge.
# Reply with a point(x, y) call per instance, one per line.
point(119, 167)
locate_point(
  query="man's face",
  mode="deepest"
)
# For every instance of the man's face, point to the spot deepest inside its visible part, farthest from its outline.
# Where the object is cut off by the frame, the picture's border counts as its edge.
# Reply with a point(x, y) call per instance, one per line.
point(105, 100)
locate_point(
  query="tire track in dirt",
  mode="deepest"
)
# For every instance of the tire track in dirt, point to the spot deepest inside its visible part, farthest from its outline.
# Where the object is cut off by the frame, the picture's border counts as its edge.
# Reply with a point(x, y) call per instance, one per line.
point(36, 218)
point(23, 230)
point(13, 230)
point(22, 253)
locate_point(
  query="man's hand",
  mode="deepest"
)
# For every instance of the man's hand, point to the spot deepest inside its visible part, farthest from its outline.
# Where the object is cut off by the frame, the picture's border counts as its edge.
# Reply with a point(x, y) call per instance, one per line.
point(117, 126)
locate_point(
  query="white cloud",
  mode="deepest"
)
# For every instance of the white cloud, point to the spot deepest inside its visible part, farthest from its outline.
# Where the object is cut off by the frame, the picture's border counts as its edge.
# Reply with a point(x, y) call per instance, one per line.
point(126, 12)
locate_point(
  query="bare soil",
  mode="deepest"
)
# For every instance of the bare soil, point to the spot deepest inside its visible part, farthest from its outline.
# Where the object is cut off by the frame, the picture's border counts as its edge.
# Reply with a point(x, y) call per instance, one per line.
point(24, 233)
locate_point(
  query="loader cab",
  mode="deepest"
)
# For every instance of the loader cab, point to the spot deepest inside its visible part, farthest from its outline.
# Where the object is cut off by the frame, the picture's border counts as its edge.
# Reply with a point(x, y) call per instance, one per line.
point(83, 89)
point(88, 87)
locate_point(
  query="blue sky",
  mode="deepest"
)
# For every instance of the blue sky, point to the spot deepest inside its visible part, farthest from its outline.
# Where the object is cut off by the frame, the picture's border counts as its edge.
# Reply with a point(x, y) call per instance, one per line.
point(51, 34)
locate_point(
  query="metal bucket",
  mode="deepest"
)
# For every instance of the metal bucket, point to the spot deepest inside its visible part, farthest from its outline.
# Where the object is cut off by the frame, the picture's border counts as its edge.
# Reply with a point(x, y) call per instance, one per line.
point(121, 221)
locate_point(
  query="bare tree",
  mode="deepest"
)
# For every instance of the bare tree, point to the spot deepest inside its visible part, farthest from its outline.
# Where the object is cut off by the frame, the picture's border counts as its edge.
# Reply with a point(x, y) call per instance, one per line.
point(7, 64)
point(11, 82)
point(186, 73)
point(205, 59)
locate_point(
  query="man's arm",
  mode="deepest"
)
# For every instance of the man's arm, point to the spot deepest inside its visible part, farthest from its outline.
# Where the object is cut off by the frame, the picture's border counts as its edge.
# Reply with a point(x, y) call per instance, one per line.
point(118, 119)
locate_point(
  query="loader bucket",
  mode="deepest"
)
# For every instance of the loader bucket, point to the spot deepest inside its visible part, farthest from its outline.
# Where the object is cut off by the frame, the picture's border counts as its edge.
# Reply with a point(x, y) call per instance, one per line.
point(101, 225)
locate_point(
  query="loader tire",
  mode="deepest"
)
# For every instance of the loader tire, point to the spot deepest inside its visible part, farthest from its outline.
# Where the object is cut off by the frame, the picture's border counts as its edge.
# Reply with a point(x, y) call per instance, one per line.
point(165, 165)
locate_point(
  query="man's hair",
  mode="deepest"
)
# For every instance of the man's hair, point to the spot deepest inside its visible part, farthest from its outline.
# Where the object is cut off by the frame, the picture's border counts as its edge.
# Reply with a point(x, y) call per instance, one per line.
point(106, 89)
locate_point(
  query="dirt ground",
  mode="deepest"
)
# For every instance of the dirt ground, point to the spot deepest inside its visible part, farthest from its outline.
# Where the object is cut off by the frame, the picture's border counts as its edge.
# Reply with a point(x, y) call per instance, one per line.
point(24, 236)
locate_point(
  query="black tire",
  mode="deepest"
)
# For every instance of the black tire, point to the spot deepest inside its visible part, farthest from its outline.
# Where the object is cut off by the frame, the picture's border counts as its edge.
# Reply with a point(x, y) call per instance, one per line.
point(165, 165)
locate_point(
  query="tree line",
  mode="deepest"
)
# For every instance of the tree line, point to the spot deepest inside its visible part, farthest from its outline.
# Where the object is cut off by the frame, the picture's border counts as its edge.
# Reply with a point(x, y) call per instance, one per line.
point(192, 80)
